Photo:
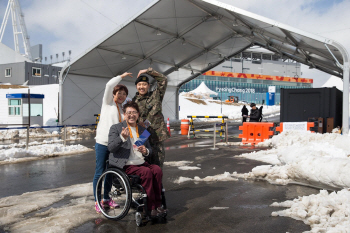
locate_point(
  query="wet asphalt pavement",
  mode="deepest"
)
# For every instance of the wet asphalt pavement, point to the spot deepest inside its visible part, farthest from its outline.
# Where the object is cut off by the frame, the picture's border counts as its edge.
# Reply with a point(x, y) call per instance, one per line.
point(246, 204)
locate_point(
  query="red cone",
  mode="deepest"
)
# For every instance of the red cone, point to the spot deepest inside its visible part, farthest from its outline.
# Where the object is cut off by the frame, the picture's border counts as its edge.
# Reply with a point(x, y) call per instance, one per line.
point(168, 126)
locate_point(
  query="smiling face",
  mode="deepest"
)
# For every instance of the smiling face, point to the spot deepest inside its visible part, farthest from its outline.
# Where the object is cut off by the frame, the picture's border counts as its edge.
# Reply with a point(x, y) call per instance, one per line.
point(131, 115)
point(119, 97)
point(142, 87)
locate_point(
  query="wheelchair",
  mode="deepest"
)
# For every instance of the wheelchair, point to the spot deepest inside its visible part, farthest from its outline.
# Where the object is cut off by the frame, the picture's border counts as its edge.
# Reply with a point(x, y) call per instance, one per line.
point(127, 192)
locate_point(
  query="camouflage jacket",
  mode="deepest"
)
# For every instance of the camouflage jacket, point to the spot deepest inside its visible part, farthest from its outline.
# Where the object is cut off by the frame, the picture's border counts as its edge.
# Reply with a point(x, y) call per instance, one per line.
point(151, 107)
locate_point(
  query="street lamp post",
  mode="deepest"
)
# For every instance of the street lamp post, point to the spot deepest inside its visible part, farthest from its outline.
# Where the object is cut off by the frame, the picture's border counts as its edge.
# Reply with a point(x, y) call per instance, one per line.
point(221, 102)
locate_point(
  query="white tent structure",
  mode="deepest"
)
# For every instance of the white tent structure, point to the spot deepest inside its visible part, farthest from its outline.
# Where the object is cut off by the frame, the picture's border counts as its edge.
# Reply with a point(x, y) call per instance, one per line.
point(183, 39)
point(204, 90)
point(334, 81)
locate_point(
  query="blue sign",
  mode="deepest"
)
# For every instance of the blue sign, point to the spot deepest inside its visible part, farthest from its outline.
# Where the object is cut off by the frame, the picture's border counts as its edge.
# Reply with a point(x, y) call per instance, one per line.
point(24, 96)
point(270, 98)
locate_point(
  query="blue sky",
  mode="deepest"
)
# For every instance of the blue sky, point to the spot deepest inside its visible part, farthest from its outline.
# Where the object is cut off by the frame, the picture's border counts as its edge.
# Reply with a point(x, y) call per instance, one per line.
point(77, 25)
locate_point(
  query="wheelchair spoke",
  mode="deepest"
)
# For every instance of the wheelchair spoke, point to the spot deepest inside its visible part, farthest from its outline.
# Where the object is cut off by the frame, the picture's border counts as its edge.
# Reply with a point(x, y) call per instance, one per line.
point(114, 186)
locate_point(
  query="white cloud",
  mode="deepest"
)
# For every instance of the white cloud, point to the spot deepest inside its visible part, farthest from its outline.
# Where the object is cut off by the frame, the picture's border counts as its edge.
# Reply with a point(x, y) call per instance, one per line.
point(76, 25)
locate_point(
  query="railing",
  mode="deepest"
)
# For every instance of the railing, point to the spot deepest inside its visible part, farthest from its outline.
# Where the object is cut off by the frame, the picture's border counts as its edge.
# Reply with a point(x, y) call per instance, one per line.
point(222, 130)
point(44, 127)
point(192, 125)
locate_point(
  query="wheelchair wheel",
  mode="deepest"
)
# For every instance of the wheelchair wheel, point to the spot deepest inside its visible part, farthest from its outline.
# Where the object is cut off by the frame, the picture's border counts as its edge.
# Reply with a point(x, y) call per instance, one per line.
point(114, 185)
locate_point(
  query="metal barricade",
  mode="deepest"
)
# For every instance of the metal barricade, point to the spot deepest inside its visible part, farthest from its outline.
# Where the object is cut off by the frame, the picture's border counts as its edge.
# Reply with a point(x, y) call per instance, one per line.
point(222, 125)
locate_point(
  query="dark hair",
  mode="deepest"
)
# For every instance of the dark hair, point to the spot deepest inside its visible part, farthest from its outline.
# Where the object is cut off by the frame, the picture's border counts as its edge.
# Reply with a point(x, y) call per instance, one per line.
point(131, 104)
point(120, 87)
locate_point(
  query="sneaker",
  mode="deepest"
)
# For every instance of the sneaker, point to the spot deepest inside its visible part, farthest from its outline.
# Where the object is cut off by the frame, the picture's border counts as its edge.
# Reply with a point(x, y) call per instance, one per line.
point(154, 213)
point(161, 211)
point(109, 204)
point(97, 208)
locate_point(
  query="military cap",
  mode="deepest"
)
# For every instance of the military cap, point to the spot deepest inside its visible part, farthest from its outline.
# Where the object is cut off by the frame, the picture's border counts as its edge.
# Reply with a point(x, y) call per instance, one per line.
point(143, 78)
point(252, 105)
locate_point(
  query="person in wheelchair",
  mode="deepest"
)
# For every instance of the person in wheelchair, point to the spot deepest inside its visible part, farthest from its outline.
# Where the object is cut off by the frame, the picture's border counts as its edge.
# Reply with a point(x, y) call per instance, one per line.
point(133, 159)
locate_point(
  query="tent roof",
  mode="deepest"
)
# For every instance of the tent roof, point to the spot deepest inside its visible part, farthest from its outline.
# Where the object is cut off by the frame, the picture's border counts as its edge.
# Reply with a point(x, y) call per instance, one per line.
point(203, 89)
point(193, 36)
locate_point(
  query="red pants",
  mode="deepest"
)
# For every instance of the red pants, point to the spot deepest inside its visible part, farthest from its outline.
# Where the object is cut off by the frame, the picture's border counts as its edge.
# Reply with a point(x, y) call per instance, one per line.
point(151, 180)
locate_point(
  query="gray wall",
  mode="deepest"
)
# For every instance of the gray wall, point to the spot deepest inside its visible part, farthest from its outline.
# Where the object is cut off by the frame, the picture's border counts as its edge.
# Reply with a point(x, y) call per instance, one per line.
point(49, 70)
point(17, 73)
point(22, 71)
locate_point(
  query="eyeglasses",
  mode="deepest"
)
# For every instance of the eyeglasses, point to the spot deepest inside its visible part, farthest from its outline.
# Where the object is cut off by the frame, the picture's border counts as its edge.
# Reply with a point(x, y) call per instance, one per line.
point(131, 113)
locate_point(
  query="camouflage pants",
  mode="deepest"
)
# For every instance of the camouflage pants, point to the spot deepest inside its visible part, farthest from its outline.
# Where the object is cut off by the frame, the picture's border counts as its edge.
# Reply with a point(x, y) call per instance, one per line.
point(158, 154)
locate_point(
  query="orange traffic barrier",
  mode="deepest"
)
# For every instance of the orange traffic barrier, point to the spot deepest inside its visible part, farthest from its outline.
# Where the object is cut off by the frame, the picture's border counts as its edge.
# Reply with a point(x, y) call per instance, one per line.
point(255, 132)
point(309, 125)
point(185, 123)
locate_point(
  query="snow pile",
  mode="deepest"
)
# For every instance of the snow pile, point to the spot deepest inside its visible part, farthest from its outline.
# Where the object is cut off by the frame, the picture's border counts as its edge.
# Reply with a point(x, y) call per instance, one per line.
point(18, 145)
point(324, 212)
point(218, 208)
point(78, 130)
point(206, 107)
point(27, 212)
point(22, 133)
point(221, 177)
point(39, 152)
point(182, 165)
point(42, 133)
point(310, 158)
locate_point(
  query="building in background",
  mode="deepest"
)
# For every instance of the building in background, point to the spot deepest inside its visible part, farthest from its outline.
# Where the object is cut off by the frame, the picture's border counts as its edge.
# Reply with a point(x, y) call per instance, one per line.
point(249, 74)
point(29, 73)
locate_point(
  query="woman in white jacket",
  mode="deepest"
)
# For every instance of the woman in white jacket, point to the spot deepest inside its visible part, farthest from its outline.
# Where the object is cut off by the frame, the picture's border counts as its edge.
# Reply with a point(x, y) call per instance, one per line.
point(111, 113)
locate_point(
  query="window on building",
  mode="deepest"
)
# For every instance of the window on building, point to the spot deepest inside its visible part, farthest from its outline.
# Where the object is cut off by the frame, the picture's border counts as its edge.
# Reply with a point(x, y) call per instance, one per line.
point(8, 72)
point(275, 57)
point(246, 55)
point(59, 73)
point(266, 56)
point(35, 110)
point(36, 72)
point(14, 107)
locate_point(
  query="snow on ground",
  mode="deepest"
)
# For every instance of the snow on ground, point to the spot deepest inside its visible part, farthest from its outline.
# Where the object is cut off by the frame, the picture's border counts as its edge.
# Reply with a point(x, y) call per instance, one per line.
point(318, 160)
point(218, 208)
point(221, 177)
point(310, 158)
point(207, 107)
point(324, 212)
point(41, 133)
point(36, 211)
point(13, 154)
point(182, 165)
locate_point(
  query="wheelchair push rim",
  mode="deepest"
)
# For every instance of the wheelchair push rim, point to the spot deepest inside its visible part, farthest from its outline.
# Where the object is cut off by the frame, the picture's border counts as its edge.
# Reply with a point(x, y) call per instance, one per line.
point(120, 192)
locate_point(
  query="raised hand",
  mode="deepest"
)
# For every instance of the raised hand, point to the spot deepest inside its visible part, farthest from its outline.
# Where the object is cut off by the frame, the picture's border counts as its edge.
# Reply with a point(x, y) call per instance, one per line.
point(141, 72)
point(126, 74)
point(125, 132)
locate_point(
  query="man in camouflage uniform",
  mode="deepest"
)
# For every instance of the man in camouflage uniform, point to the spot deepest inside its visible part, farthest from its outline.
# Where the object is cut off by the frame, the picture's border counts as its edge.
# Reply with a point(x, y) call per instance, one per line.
point(150, 104)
